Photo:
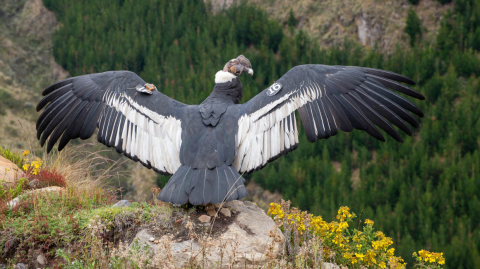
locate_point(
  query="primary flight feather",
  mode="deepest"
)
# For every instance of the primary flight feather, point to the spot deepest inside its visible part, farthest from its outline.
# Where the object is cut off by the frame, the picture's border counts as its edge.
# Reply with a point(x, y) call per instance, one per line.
point(206, 147)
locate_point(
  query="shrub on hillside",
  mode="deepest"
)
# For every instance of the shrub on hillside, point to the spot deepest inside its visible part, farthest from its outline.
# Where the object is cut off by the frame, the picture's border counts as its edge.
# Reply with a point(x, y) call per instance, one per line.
point(314, 240)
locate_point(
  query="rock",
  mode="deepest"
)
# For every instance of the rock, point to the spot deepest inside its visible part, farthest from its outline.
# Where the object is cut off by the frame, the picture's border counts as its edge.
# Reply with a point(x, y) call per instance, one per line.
point(204, 218)
point(122, 203)
point(219, 5)
point(248, 235)
point(327, 265)
point(28, 105)
point(41, 259)
point(226, 212)
point(155, 242)
point(211, 212)
point(20, 266)
point(15, 201)
point(151, 239)
point(8, 172)
point(33, 184)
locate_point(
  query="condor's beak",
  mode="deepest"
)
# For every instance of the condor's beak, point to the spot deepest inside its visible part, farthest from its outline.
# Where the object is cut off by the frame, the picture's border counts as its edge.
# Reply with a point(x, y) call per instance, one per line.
point(249, 71)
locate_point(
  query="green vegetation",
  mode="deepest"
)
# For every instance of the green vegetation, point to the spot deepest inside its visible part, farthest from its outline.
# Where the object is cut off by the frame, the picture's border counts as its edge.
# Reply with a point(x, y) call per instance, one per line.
point(413, 27)
point(75, 216)
point(11, 155)
point(423, 193)
point(8, 102)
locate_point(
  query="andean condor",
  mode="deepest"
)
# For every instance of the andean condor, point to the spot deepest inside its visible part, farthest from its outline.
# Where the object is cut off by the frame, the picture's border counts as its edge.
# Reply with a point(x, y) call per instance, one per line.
point(207, 146)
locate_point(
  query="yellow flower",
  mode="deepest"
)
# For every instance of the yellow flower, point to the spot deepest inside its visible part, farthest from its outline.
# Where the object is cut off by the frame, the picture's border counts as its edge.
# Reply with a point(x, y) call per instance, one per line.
point(275, 210)
point(25, 153)
point(360, 256)
point(369, 222)
point(25, 167)
point(430, 257)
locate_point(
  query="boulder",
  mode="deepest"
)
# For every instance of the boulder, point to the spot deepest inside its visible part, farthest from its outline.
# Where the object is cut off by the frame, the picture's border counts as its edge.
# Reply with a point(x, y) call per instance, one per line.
point(249, 237)
point(8, 172)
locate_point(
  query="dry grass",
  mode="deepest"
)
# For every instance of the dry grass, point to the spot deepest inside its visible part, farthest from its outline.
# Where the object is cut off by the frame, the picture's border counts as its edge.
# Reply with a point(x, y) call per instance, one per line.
point(83, 169)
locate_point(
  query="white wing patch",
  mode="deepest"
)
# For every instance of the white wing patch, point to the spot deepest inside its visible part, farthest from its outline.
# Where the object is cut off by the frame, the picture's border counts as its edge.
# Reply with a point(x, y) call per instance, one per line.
point(155, 140)
point(266, 133)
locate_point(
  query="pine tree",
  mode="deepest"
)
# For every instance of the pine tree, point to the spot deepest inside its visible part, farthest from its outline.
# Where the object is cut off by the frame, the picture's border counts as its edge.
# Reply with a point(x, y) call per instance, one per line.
point(292, 22)
point(413, 27)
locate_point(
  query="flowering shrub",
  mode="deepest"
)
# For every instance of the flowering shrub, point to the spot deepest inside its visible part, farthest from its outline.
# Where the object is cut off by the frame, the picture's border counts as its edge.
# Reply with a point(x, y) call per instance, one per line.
point(339, 244)
point(31, 167)
point(427, 259)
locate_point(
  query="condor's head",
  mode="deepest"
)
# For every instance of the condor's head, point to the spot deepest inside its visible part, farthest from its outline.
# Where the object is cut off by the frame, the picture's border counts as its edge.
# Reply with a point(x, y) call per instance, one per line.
point(238, 66)
point(234, 68)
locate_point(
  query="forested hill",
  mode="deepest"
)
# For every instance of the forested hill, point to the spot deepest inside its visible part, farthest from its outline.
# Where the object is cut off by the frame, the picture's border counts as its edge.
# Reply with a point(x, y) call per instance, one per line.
point(423, 193)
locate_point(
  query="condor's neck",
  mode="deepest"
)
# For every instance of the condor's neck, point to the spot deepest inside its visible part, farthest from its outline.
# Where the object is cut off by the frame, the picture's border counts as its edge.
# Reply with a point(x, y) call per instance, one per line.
point(228, 88)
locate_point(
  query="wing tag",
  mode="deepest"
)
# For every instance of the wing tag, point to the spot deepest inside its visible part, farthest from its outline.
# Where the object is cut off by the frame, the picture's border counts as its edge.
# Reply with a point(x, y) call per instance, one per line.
point(274, 89)
point(147, 88)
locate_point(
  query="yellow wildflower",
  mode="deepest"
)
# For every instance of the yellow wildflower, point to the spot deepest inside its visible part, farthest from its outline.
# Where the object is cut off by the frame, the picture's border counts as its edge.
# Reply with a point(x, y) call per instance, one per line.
point(275, 210)
point(360, 256)
point(430, 257)
point(369, 222)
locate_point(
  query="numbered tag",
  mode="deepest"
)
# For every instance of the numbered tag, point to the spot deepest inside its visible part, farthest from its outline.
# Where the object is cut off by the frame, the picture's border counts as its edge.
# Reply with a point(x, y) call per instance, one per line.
point(274, 89)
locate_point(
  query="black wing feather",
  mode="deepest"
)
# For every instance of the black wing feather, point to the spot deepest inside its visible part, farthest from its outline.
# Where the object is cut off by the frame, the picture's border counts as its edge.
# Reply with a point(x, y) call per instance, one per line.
point(75, 107)
point(329, 98)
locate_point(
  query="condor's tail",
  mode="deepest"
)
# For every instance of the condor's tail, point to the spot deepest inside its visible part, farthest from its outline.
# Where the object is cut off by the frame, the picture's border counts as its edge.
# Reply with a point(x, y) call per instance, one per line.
point(203, 186)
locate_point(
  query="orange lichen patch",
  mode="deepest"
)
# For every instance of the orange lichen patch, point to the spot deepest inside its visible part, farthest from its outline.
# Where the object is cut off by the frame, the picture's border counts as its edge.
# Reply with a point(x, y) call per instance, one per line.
point(150, 87)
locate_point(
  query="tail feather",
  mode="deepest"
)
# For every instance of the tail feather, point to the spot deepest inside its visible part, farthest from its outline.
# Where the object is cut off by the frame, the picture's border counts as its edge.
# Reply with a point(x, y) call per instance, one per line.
point(203, 186)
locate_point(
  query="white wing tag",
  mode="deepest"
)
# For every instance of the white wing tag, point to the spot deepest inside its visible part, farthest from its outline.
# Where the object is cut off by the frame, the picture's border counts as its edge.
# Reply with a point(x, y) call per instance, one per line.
point(274, 89)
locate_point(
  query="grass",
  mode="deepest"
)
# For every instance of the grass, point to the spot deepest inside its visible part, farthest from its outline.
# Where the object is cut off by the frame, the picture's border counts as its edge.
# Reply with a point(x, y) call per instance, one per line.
point(48, 220)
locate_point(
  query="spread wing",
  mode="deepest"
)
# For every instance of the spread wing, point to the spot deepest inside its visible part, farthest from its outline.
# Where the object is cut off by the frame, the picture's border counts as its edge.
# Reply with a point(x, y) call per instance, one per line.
point(144, 127)
point(328, 99)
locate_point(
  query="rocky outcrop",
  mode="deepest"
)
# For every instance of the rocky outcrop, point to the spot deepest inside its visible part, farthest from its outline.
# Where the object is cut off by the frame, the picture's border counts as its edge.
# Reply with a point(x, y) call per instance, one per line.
point(8, 172)
point(249, 237)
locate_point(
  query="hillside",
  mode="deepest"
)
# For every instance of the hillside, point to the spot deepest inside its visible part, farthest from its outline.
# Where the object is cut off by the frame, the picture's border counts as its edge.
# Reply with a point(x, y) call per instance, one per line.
point(371, 23)
point(423, 193)
point(26, 66)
